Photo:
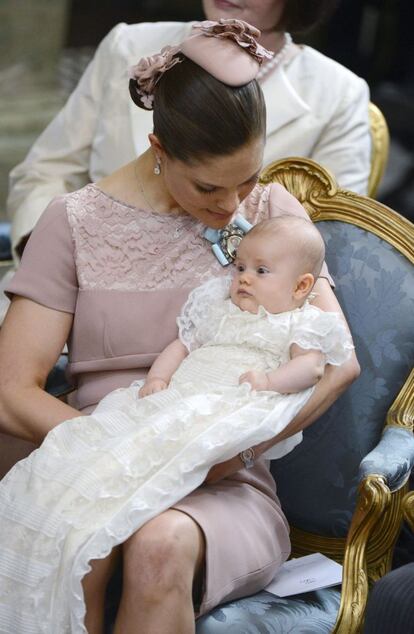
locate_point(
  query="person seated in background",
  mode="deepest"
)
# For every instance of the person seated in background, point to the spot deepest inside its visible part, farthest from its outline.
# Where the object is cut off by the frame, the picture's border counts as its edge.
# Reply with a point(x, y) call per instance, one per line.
point(315, 108)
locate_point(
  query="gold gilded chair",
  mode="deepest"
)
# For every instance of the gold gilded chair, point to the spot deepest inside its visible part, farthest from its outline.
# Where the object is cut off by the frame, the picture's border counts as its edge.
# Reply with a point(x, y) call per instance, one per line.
point(408, 509)
point(342, 487)
point(380, 139)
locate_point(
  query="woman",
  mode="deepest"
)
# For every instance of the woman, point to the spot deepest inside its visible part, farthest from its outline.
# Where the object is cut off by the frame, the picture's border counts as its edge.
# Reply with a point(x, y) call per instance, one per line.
point(315, 108)
point(108, 269)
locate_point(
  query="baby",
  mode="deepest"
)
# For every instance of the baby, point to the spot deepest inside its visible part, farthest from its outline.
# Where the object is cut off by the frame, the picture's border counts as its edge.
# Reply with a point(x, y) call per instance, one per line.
point(276, 266)
point(248, 355)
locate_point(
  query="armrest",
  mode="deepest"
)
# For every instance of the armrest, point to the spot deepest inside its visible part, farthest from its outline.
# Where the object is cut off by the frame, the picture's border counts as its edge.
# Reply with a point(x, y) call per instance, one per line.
point(57, 383)
point(392, 458)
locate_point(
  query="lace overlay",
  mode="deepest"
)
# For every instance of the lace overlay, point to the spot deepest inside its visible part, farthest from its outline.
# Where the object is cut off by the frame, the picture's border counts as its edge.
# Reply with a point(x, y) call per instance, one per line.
point(119, 247)
point(97, 479)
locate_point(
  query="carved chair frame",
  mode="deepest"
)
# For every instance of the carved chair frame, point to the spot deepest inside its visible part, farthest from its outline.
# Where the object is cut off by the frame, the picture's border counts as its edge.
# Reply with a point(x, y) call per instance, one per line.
point(366, 552)
point(408, 509)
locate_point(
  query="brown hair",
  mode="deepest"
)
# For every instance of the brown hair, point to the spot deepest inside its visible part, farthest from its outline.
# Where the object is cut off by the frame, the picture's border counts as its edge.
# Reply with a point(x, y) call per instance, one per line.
point(300, 16)
point(197, 116)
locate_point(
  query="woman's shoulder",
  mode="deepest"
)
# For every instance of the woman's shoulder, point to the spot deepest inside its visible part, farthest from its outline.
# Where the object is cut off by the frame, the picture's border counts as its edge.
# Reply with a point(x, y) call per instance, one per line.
point(323, 71)
point(69, 211)
point(55, 224)
point(54, 218)
point(269, 201)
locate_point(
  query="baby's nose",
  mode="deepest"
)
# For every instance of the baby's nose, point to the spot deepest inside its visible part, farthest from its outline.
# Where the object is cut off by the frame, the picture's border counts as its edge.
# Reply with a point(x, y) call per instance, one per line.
point(245, 277)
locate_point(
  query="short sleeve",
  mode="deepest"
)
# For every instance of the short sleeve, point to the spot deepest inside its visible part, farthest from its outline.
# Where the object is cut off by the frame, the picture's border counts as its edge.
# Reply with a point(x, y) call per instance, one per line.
point(202, 312)
point(47, 271)
point(281, 203)
point(315, 329)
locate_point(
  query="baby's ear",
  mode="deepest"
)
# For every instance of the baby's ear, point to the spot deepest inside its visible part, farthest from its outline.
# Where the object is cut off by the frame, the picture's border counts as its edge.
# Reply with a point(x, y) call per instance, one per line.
point(304, 285)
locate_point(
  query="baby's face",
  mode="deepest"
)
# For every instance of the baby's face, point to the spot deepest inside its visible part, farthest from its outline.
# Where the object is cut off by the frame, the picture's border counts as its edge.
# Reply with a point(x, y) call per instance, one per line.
point(265, 275)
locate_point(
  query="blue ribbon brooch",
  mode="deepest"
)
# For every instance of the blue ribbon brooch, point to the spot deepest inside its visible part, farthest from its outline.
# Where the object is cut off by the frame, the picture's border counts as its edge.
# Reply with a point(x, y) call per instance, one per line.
point(225, 241)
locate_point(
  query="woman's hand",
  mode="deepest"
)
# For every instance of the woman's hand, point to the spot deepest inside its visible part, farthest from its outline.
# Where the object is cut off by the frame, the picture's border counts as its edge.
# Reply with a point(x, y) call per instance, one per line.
point(223, 470)
point(152, 385)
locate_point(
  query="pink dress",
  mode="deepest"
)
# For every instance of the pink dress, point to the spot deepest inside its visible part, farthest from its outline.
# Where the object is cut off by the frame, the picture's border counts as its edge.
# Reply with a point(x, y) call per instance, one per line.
point(124, 274)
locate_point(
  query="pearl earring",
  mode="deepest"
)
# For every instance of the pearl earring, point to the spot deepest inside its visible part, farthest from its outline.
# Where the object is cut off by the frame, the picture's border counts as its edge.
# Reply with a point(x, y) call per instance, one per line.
point(157, 168)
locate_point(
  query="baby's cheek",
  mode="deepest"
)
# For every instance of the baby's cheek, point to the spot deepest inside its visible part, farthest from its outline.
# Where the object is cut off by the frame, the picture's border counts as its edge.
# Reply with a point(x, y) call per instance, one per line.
point(233, 286)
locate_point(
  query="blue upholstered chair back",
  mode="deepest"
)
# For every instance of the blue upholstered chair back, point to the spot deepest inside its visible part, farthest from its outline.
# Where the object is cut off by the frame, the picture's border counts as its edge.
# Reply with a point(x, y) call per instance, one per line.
point(375, 286)
point(370, 253)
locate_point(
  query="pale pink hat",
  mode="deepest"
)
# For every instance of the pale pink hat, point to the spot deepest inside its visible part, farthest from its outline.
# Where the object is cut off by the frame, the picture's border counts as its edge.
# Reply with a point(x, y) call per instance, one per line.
point(227, 49)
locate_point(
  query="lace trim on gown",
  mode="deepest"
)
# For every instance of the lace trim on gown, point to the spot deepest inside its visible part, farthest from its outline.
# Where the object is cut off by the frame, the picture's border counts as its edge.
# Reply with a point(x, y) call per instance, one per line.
point(100, 500)
point(95, 480)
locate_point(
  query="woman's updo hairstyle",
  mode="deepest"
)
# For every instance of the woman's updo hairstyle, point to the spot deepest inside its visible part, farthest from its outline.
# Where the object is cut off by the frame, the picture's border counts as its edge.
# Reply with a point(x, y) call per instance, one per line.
point(197, 116)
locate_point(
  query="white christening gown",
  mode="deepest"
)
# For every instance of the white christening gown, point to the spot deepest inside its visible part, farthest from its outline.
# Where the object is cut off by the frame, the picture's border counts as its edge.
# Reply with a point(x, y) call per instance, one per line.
point(97, 479)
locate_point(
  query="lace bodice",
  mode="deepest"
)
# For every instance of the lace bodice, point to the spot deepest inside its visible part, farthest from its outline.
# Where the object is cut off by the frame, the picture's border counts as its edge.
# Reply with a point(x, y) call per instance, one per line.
point(120, 247)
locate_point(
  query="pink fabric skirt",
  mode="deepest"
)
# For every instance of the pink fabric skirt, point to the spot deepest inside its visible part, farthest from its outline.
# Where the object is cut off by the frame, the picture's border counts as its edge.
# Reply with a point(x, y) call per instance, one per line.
point(246, 534)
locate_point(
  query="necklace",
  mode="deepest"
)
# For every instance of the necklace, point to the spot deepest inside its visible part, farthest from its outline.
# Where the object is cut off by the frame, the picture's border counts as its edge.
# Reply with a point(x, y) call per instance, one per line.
point(183, 221)
point(141, 189)
point(276, 60)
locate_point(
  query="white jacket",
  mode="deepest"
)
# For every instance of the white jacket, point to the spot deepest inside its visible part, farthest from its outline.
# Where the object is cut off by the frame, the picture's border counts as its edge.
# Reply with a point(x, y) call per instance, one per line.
point(315, 108)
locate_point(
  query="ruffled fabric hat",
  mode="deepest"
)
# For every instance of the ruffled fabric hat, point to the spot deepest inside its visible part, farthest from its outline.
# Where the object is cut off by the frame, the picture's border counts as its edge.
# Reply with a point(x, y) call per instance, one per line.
point(227, 49)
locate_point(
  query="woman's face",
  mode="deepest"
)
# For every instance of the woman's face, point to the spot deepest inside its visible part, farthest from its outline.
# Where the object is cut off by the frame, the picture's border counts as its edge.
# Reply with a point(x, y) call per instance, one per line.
point(211, 190)
point(263, 14)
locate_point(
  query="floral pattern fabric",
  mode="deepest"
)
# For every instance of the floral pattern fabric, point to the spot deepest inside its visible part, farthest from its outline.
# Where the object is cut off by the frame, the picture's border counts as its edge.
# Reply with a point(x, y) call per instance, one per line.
point(118, 249)
point(393, 458)
point(317, 481)
point(264, 613)
point(375, 286)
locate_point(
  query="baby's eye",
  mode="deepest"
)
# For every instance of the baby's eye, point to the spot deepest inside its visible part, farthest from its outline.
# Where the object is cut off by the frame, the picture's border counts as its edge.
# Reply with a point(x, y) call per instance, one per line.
point(262, 270)
point(240, 268)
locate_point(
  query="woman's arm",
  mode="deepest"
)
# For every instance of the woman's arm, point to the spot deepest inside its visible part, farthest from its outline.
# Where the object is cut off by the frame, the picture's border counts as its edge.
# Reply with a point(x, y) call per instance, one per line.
point(31, 340)
point(334, 381)
point(163, 368)
point(344, 146)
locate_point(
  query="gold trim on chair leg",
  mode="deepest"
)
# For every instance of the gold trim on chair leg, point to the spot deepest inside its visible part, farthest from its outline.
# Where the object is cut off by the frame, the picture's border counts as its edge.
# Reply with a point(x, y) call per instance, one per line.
point(381, 544)
point(408, 509)
point(373, 499)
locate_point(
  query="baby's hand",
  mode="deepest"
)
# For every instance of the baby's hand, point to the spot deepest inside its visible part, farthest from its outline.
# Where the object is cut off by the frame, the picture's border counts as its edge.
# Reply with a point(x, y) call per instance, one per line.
point(258, 380)
point(151, 386)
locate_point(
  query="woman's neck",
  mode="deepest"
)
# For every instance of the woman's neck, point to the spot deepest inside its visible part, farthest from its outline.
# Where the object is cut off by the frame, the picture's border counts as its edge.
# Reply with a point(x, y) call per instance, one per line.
point(152, 186)
point(272, 40)
point(136, 184)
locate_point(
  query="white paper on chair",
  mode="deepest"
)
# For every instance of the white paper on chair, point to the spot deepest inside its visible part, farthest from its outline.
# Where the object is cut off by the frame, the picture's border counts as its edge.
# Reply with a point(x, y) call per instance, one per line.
point(304, 574)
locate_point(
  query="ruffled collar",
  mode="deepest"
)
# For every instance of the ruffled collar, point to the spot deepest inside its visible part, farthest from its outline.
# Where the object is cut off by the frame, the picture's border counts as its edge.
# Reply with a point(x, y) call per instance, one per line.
point(262, 312)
